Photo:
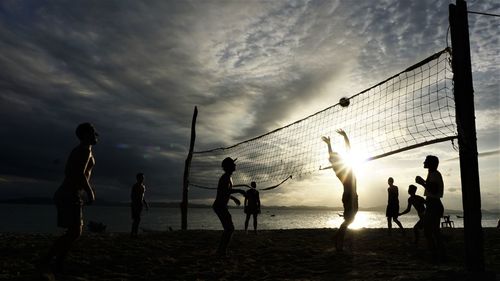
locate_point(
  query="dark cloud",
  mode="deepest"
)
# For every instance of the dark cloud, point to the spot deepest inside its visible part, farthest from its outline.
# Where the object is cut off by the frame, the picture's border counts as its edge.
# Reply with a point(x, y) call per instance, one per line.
point(69, 64)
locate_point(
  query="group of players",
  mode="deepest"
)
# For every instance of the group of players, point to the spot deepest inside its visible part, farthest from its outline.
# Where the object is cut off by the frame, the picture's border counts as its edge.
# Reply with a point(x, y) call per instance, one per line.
point(81, 161)
point(429, 218)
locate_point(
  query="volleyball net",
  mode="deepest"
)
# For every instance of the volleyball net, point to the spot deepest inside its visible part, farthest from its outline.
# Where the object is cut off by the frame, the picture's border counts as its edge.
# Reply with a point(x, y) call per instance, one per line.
point(410, 109)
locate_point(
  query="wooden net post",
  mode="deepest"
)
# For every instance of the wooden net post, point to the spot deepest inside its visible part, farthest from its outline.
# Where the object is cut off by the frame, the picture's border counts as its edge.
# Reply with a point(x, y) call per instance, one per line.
point(187, 165)
point(466, 124)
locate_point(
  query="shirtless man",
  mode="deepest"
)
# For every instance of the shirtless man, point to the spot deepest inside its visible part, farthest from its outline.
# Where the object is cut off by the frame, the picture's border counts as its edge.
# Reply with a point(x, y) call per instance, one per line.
point(137, 203)
point(252, 206)
point(348, 179)
point(392, 210)
point(68, 197)
point(224, 191)
point(434, 188)
point(418, 202)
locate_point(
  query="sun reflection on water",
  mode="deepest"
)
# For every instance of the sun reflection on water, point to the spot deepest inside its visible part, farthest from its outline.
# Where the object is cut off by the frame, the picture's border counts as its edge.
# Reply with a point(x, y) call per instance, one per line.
point(362, 220)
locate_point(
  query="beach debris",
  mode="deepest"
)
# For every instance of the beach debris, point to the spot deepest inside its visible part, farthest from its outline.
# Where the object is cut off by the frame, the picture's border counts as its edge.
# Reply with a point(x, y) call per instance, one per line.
point(96, 227)
point(47, 276)
point(144, 229)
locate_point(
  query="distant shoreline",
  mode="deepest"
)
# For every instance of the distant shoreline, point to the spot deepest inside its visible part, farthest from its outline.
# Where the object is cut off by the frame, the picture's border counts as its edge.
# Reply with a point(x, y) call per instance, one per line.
point(104, 203)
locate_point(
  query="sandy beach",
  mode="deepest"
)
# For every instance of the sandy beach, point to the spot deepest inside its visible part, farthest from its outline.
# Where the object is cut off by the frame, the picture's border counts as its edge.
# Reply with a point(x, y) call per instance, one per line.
point(302, 254)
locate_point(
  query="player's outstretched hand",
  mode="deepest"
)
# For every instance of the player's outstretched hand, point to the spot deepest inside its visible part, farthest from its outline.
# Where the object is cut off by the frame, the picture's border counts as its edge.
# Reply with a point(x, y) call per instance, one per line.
point(236, 201)
point(326, 139)
point(419, 180)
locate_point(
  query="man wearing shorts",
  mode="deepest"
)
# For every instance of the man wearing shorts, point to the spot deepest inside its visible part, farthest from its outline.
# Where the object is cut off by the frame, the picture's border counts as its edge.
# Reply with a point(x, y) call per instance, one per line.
point(68, 197)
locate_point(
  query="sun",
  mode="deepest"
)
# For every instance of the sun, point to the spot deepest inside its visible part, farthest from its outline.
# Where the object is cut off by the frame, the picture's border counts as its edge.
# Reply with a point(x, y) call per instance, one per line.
point(353, 159)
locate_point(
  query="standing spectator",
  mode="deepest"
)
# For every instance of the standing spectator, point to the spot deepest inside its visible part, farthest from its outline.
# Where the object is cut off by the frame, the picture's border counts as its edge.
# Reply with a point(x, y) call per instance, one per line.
point(392, 210)
point(137, 203)
point(252, 206)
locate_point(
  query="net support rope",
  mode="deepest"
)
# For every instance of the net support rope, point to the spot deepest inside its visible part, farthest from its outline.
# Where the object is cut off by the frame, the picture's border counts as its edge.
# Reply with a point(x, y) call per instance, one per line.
point(411, 109)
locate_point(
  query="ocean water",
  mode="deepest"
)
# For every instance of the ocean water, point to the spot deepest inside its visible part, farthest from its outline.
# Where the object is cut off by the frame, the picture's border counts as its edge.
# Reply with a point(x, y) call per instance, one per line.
point(42, 219)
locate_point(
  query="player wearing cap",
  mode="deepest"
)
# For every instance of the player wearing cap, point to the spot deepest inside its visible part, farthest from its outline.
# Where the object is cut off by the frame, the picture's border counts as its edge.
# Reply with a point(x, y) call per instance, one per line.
point(224, 191)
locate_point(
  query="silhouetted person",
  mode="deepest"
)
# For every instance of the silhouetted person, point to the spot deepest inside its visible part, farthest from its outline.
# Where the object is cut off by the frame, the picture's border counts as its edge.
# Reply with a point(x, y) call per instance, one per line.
point(137, 203)
point(348, 179)
point(68, 197)
point(418, 202)
point(434, 188)
point(224, 191)
point(392, 210)
point(252, 206)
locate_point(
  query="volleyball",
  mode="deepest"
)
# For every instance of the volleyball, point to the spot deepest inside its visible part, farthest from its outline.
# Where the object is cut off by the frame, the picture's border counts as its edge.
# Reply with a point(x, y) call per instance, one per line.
point(344, 102)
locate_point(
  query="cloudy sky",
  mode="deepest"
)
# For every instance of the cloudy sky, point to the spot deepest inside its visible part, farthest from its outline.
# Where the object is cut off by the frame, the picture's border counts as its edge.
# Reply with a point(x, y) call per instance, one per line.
point(136, 70)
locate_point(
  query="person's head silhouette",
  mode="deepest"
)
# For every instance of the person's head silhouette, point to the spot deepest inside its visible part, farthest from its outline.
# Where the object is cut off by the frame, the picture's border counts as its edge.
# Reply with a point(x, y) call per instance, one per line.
point(140, 177)
point(86, 133)
point(412, 189)
point(431, 162)
point(390, 181)
point(253, 184)
point(228, 165)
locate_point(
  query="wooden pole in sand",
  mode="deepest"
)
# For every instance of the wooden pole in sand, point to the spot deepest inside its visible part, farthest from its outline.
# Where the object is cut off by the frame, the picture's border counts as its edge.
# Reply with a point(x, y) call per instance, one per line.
point(187, 165)
point(467, 142)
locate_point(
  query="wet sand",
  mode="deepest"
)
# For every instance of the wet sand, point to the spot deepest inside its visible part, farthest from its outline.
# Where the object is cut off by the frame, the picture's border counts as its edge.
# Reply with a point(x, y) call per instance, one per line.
point(302, 254)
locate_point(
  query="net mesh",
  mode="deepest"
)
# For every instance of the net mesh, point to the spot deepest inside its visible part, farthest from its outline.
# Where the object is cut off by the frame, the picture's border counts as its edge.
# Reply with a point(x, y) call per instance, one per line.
point(410, 109)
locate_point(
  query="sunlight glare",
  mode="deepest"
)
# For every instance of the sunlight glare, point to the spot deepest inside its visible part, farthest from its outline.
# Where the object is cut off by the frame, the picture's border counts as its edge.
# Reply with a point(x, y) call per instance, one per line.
point(361, 220)
point(354, 159)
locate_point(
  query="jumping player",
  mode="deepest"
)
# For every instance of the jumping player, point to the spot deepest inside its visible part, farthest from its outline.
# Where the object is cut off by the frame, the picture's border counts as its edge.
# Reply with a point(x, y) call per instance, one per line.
point(348, 179)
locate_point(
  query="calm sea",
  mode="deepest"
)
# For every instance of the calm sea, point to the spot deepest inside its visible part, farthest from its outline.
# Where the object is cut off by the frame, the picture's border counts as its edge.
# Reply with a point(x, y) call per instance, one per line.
point(42, 218)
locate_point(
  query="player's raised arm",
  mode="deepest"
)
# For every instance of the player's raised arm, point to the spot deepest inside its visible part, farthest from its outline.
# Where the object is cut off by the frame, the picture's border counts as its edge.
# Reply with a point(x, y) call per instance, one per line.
point(328, 143)
point(346, 139)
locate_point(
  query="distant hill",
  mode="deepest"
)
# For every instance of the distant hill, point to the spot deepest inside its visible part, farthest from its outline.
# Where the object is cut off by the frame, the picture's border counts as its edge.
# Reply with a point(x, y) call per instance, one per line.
point(50, 201)
point(29, 201)
point(100, 202)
